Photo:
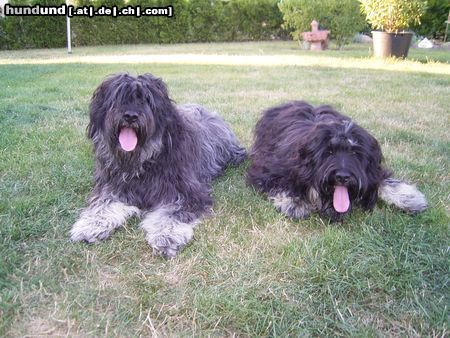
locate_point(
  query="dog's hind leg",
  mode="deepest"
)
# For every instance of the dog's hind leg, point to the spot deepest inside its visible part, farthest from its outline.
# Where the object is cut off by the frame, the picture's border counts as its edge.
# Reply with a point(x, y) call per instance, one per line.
point(219, 145)
point(168, 229)
point(100, 219)
point(403, 195)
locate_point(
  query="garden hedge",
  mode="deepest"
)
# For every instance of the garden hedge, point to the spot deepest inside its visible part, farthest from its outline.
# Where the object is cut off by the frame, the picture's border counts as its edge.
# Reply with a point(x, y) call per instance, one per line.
point(197, 21)
point(18, 32)
point(193, 21)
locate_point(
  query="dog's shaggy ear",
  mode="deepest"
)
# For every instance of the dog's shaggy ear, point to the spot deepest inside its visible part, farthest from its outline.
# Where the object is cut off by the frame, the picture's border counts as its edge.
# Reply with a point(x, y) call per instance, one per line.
point(374, 170)
point(303, 168)
point(154, 83)
point(157, 90)
point(369, 199)
point(101, 101)
point(157, 97)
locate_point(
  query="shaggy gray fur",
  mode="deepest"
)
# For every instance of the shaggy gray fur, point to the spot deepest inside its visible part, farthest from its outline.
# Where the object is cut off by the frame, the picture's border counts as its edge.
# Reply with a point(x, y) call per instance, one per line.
point(166, 178)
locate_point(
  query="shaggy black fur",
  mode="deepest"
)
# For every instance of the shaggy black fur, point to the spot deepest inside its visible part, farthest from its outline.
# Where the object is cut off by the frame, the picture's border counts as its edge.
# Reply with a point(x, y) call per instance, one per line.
point(301, 153)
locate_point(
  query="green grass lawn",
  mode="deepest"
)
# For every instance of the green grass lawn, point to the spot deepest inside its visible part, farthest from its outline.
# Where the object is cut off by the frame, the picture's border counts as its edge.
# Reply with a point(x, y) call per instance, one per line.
point(250, 271)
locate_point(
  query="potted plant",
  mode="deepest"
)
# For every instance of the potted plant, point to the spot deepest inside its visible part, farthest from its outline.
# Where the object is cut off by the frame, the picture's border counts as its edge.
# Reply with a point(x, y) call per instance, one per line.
point(392, 18)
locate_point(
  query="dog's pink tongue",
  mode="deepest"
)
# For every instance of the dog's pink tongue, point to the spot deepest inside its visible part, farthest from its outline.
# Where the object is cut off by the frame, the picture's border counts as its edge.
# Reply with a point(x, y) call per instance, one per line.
point(128, 139)
point(341, 201)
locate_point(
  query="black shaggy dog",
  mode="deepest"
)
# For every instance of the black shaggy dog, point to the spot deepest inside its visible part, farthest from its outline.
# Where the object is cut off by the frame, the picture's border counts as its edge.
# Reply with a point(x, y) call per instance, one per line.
point(154, 160)
point(309, 159)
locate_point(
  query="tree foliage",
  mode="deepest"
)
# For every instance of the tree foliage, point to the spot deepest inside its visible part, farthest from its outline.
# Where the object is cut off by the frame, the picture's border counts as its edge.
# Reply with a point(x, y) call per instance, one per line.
point(433, 20)
point(341, 17)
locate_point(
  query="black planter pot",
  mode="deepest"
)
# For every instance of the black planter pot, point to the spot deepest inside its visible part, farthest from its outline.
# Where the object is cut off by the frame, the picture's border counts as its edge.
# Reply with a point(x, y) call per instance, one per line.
point(391, 44)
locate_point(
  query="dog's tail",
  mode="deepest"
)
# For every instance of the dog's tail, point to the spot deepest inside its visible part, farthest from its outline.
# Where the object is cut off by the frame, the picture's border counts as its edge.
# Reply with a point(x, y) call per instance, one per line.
point(403, 195)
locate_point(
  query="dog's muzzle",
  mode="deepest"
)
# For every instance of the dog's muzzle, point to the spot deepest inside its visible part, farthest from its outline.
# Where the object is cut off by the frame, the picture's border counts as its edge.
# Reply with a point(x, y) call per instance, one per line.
point(128, 137)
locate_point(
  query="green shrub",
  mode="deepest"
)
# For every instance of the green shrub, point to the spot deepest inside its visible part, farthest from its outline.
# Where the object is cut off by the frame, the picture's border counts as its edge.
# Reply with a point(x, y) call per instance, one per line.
point(208, 22)
point(33, 31)
point(393, 15)
point(102, 30)
point(193, 21)
point(341, 17)
point(255, 19)
point(172, 30)
point(432, 22)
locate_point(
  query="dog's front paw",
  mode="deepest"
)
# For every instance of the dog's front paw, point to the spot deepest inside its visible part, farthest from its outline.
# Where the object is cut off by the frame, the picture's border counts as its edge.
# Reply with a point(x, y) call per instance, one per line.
point(90, 232)
point(293, 207)
point(170, 244)
point(165, 246)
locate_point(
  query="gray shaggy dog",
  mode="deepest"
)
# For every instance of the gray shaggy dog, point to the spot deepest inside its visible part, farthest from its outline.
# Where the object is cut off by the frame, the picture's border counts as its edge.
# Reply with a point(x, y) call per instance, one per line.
point(314, 159)
point(154, 160)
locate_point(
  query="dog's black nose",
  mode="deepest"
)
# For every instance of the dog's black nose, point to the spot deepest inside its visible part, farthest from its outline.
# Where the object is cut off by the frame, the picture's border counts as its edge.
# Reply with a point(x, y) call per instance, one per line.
point(342, 177)
point(130, 116)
